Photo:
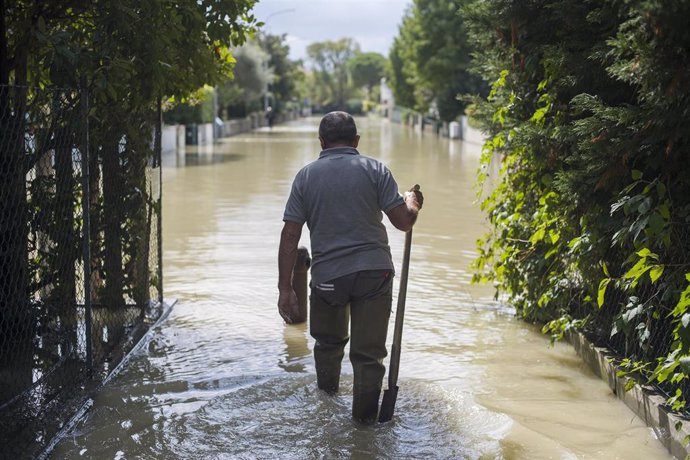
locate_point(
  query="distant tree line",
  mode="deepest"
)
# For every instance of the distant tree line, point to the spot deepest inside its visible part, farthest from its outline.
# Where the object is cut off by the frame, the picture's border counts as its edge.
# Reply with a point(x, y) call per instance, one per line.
point(337, 75)
point(342, 77)
point(263, 74)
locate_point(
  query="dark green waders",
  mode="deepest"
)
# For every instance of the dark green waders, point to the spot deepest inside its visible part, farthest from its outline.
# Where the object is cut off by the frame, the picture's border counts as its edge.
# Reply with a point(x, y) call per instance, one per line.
point(361, 301)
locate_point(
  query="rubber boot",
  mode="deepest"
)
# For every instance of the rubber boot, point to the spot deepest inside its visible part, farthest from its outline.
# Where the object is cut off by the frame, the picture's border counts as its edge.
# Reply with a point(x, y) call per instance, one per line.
point(365, 406)
point(328, 380)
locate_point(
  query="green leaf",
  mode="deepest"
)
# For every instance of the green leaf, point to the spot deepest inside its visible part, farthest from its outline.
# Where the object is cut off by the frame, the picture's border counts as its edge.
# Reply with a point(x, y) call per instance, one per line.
point(601, 292)
point(639, 269)
point(636, 175)
point(660, 189)
point(555, 236)
point(538, 235)
point(683, 303)
point(656, 223)
point(655, 272)
point(629, 384)
point(606, 269)
point(666, 371)
point(644, 252)
point(550, 253)
point(664, 211)
point(538, 115)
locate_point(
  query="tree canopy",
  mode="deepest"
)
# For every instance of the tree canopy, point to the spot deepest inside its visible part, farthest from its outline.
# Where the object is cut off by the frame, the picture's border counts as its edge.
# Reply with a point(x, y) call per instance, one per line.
point(129, 55)
point(330, 69)
point(367, 69)
point(591, 215)
point(431, 59)
point(158, 47)
point(287, 74)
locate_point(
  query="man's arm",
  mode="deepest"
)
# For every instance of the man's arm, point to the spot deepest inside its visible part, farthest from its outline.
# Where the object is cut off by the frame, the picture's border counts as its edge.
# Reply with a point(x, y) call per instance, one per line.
point(404, 216)
point(288, 306)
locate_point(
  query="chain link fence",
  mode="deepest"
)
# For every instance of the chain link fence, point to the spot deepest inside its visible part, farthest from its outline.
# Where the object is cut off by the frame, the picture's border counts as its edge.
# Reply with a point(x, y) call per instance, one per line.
point(80, 256)
point(636, 322)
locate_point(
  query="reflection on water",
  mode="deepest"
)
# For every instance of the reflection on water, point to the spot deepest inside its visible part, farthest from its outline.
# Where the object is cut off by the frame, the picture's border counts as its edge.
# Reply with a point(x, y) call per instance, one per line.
point(297, 352)
point(197, 159)
point(225, 378)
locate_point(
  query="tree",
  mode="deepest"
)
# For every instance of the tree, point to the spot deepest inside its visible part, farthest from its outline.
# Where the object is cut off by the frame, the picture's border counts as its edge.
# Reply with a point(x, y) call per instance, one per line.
point(287, 74)
point(330, 69)
point(252, 77)
point(591, 213)
point(130, 55)
point(403, 90)
point(432, 55)
point(366, 70)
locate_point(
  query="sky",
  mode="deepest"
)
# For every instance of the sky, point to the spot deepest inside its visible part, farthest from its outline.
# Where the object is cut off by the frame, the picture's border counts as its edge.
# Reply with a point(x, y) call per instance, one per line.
point(371, 23)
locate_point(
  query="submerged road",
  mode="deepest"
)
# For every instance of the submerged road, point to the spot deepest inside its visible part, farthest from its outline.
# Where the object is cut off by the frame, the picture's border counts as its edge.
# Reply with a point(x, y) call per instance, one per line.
point(224, 377)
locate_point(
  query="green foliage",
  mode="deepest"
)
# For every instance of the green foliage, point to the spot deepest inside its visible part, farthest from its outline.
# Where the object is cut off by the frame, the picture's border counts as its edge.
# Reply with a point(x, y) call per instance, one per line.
point(130, 55)
point(252, 76)
point(330, 71)
point(430, 59)
point(198, 108)
point(590, 217)
point(366, 70)
point(403, 90)
point(288, 75)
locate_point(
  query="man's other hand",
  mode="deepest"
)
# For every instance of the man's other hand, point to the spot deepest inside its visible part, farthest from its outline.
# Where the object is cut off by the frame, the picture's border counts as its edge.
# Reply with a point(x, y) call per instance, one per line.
point(288, 307)
point(414, 198)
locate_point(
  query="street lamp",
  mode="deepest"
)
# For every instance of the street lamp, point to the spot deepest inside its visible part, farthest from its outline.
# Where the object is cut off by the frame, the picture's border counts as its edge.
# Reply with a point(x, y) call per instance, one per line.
point(286, 10)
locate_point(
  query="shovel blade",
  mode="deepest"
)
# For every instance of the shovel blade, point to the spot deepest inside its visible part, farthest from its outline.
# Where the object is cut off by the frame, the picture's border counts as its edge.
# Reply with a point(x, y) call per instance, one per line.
point(388, 404)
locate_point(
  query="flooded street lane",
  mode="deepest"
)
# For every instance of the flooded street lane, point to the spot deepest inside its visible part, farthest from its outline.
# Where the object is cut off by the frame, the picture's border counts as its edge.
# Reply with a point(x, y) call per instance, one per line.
point(223, 377)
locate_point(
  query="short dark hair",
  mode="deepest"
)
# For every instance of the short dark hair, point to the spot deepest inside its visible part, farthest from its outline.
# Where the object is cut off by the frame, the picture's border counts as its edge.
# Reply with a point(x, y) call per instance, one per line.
point(337, 127)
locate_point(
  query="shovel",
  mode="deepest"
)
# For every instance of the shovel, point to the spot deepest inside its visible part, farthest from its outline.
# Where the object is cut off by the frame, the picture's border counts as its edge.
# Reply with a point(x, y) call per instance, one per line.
point(391, 394)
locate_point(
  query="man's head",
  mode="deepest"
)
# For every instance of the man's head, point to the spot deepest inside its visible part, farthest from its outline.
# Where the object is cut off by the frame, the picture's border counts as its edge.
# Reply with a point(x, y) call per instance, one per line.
point(337, 129)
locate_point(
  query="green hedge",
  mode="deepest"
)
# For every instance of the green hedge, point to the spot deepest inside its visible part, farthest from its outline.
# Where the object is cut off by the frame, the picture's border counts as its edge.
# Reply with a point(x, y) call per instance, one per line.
point(589, 117)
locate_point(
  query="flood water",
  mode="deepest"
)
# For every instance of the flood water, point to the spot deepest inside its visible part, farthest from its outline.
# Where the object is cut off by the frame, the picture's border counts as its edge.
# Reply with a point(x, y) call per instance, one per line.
point(224, 377)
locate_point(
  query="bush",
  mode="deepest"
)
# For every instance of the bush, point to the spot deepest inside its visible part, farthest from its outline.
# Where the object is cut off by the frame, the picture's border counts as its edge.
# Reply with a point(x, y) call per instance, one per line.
point(591, 217)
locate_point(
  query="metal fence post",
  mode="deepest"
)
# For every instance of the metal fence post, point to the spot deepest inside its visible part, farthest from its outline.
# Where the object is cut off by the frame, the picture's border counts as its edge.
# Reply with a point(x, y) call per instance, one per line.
point(86, 229)
point(158, 146)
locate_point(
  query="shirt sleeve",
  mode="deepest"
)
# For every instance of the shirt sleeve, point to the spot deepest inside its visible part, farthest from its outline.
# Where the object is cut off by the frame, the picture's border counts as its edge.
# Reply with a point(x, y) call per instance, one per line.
point(389, 197)
point(294, 208)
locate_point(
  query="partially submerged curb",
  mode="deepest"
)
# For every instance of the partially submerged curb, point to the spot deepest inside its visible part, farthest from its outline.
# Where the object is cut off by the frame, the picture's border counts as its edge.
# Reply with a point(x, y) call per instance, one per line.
point(650, 406)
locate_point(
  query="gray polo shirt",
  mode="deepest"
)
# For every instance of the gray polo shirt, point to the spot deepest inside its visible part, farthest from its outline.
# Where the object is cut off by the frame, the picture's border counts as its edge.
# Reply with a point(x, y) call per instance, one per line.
point(341, 197)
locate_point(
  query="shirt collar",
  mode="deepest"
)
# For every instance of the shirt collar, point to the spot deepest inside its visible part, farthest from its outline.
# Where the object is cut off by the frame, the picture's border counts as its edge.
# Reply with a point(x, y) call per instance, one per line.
point(338, 151)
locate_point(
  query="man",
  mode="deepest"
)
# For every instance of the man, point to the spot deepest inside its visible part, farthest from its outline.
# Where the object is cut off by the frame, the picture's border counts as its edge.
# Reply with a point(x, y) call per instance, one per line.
point(341, 196)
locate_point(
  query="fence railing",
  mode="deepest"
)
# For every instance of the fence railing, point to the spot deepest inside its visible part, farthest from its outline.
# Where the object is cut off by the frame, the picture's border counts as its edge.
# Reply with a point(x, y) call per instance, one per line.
point(80, 255)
